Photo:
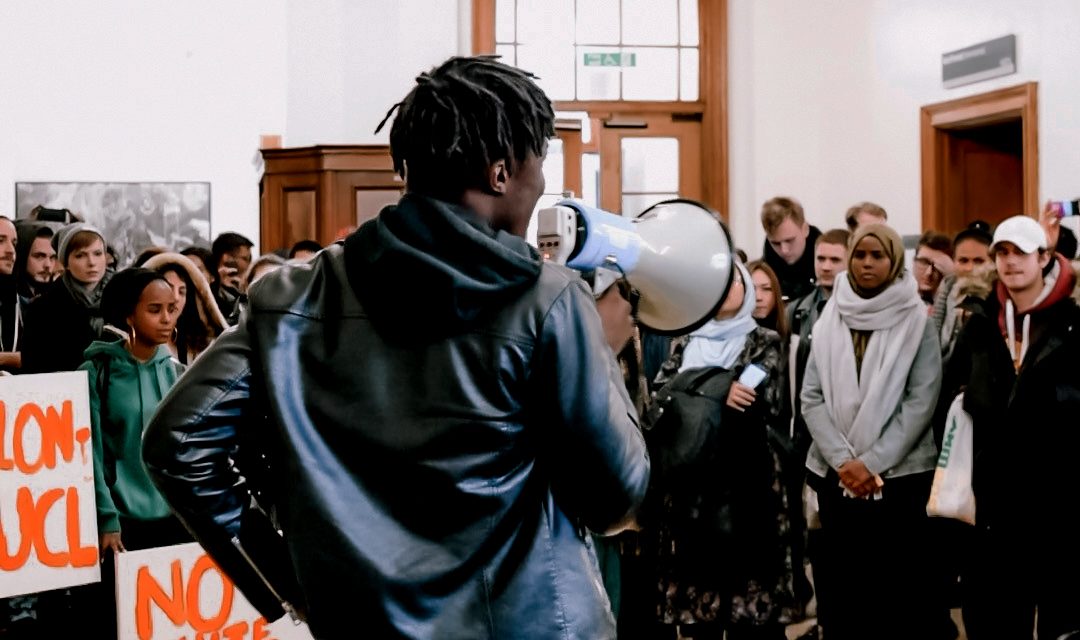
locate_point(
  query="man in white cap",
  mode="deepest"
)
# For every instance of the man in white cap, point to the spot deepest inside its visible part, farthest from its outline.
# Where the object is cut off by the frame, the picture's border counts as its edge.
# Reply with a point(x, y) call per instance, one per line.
point(1015, 362)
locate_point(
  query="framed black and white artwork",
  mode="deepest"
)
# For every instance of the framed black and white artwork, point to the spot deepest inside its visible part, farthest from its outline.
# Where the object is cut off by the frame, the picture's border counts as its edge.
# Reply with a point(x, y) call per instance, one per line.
point(132, 215)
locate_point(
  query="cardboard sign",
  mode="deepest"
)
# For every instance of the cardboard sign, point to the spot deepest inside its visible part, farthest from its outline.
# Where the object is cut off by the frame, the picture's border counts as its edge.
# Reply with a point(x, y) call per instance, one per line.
point(48, 524)
point(178, 593)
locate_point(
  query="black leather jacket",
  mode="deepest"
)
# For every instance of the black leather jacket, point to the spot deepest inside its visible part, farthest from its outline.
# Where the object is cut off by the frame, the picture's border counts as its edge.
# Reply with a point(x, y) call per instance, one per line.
point(441, 419)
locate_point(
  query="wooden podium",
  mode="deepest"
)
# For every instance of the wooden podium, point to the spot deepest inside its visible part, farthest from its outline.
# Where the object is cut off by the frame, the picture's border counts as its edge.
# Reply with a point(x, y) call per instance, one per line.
point(318, 192)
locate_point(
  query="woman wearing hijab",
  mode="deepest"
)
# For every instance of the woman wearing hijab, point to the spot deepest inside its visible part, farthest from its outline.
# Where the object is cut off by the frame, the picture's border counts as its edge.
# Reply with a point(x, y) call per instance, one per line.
point(868, 398)
point(62, 322)
point(741, 581)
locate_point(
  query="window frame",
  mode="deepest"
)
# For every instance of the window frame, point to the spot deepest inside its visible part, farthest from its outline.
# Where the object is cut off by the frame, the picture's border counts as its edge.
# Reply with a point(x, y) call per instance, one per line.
point(711, 106)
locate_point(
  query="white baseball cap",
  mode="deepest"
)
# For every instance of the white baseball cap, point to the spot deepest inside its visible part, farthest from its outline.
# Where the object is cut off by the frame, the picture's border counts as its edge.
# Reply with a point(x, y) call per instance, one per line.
point(1023, 231)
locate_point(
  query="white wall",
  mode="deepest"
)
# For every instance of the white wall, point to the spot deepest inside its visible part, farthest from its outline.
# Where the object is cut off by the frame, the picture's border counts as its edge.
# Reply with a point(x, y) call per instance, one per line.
point(825, 98)
point(350, 61)
point(127, 90)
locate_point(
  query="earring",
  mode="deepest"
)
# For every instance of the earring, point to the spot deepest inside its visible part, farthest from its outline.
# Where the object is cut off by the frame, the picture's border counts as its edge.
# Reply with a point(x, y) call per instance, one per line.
point(175, 335)
point(131, 336)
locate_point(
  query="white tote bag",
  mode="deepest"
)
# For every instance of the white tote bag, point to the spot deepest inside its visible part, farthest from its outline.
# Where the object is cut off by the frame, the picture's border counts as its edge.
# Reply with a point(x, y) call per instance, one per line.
point(951, 495)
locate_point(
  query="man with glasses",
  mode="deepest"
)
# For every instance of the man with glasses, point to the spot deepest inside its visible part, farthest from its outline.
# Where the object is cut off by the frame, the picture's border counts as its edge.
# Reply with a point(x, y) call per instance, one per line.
point(933, 262)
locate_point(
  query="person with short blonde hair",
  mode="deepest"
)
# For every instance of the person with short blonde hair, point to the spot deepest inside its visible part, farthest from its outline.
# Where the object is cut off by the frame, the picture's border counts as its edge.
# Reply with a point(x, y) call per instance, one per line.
point(863, 213)
point(787, 236)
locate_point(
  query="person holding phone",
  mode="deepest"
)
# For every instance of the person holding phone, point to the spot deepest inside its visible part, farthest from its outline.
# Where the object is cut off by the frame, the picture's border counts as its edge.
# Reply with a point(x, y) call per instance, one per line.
point(753, 594)
point(1059, 237)
point(230, 257)
point(868, 396)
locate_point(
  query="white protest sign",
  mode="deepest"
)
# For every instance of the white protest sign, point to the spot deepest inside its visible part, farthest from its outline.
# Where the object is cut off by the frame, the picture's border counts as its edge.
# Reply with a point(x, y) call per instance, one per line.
point(48, 524)
point(178, 592)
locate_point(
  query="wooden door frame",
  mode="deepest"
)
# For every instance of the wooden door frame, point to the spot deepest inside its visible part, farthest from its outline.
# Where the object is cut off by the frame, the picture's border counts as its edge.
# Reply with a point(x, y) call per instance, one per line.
point(982, 109)
point(713, 105)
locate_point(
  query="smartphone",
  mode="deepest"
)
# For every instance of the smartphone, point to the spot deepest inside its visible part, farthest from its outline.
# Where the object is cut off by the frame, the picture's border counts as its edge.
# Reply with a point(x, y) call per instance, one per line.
point(753, 375)
point(1066, 208)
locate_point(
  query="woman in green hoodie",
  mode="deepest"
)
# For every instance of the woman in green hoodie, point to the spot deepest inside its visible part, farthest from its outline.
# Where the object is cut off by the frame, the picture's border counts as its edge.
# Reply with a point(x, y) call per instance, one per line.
point(128, 379)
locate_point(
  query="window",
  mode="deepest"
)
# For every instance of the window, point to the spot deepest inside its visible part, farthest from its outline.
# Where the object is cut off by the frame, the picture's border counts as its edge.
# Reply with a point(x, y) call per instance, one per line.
point(583, 50)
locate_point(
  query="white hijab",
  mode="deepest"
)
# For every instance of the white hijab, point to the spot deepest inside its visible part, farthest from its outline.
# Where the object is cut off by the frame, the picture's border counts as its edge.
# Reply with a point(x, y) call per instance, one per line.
point(719, 343)
point(860, 404)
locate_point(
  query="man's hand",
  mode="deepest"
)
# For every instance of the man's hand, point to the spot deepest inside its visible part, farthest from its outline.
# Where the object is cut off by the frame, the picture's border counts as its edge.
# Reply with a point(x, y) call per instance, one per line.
point(615, 317)
point(740, 397)
point(111, 540)
point(857, 479)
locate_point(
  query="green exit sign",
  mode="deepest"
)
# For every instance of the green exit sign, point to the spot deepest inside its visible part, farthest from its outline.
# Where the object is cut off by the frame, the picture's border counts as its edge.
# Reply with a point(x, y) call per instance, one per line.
point(610, 59)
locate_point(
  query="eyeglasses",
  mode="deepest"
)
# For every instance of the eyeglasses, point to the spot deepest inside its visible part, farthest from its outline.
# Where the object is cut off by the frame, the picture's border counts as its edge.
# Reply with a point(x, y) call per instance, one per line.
point(924, 264)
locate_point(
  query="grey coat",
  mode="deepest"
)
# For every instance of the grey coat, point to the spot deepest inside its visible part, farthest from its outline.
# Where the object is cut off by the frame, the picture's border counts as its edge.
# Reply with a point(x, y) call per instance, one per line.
point(906, 444)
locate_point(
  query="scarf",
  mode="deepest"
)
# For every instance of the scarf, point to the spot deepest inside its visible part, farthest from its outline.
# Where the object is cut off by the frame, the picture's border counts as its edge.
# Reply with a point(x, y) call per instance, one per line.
point(860, 404)
point(88, 296)
point(894, 250)
point(719, 343)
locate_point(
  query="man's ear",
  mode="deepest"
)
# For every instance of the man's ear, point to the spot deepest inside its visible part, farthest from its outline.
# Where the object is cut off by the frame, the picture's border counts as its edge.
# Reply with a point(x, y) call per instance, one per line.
point(805, 229)
point(1044, 259)
point(498, 177)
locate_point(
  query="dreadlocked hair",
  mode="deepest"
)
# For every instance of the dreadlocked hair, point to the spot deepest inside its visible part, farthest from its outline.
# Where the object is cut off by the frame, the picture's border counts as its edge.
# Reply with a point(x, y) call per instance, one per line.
point(461, 118)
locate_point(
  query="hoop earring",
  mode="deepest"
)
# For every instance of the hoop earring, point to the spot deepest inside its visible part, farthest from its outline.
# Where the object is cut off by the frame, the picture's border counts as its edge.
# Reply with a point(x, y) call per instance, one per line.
point(175, 335)
point(131, 336)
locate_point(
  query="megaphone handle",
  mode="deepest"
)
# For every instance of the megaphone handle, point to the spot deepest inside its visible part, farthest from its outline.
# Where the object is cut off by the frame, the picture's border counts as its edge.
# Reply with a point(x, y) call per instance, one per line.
point(603, 279)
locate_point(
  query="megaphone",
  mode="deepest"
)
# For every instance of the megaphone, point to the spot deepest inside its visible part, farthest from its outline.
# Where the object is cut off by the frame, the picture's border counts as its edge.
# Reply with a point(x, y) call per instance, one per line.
point(676, 254)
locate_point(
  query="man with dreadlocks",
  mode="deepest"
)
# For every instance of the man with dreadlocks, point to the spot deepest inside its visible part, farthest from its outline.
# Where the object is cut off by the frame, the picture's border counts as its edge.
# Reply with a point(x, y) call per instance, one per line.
point(432, 417)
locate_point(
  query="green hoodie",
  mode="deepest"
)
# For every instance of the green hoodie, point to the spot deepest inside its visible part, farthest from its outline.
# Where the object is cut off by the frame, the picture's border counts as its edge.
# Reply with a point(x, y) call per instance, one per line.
point(134, 389)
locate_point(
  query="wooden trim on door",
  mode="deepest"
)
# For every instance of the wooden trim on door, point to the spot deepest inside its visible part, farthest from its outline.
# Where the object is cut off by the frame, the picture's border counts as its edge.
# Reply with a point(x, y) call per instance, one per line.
point(483, 27)
point(713, 23)
point(572, 148)
point(605, 107)
point(1010, 103)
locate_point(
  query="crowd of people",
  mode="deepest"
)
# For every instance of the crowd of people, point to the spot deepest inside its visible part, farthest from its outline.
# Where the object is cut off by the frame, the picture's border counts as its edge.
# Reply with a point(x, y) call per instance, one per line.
point(865, 354)
point(65, 306)
point(454, 451)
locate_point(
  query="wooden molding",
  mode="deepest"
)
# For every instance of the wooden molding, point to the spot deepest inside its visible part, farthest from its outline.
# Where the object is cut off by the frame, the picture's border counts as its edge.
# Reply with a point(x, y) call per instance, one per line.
point(715, 172)
point(936, 120)
point(602, 107)
point(483, 27)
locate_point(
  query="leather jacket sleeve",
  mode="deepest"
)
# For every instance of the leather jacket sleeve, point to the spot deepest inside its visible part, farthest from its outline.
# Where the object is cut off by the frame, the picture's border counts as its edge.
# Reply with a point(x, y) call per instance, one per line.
point(190, 447)
point(596, 454)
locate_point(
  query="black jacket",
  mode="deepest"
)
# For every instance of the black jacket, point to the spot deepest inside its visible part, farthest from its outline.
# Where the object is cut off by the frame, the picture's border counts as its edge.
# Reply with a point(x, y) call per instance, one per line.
point(442, 419)
point(803, 314)
point(799, 279)
point(57, 329)
point(1026, 437)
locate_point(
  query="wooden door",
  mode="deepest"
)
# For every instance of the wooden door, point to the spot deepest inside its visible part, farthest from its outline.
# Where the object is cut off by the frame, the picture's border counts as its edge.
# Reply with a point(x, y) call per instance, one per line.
point(984, 175)
point(646, 159)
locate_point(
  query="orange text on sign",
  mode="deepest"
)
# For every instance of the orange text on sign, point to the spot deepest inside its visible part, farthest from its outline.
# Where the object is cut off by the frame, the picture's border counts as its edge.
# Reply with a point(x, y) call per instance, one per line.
point(32, 514)
point(58, 435)
point(181, 605)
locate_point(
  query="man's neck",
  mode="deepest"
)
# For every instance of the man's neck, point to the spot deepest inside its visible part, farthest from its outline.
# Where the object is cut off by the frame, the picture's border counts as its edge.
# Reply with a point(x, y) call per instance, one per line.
point(826, 292)
point(1024, 299)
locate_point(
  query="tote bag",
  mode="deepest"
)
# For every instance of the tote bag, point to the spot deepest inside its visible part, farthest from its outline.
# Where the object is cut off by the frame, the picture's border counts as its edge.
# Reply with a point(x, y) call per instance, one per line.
point(951, 495)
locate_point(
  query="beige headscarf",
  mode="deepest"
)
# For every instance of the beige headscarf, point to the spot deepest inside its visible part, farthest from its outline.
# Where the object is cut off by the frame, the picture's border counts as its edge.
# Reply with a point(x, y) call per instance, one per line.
point(894, 249)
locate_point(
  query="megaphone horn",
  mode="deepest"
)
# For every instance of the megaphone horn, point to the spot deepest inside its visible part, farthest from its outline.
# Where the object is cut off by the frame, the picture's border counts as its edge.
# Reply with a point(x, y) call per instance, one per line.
point(677, 254)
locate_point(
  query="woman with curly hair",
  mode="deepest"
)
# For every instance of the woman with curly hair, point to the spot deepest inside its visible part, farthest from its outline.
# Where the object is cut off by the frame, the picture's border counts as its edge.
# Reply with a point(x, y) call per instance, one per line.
point(200, 319)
